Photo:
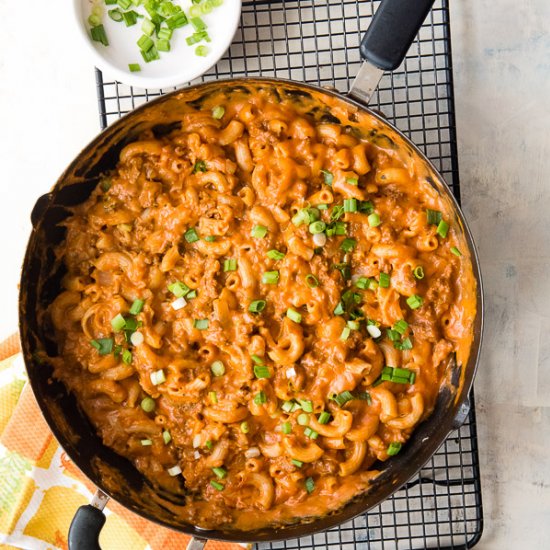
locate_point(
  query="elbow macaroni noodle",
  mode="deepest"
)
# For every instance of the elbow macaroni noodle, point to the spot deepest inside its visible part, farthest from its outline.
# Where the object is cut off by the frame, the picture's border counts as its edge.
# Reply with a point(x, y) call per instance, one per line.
point(203, 325)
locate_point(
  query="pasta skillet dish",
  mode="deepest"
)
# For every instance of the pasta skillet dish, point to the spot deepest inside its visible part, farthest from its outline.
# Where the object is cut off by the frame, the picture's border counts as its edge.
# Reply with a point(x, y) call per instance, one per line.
point(260, 305)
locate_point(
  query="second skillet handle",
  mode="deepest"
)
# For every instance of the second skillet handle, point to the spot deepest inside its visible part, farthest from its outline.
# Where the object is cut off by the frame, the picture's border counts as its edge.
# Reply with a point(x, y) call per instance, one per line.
point(392, 31)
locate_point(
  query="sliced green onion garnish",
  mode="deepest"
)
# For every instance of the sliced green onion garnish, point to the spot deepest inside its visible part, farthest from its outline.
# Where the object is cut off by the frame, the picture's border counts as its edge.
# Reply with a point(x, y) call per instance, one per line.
point(200, 324)
point(259, 231)
point(148, 27)
point(145, 43)
point(191, 235)
point(303, 419)
point(415, 301)
point(103, 345)
point(312, 434)
point(201, 51)
point(297, 463)
point(342, 398)
point(275, 255)
point(163, 45)
point(124, 4)
point(164, 34)
point(384, 280)
point(200, 166)
point(305, 404)
point(130, 18)
point(348, 245)
point(328, 178)
point(324, 417)
point(401, 326)
point(287, 406)
point(198, 23)
point(363, 283)
point(339, 309)
point(115, 15)
point(393, 335)
point(352, 181)
point(176, 21)
point(220, 472)
point(317, 227)
point(286, 427)
point(94, 20)
point(127, 357)
point(216, 485)
point(322, 206)
point(261, 371)
point(244, 427)
point(312, 281)
point(433, 217)
point(213, 396)
point(157, 377)
point(192, 294)
point(293, 315)
point(146, 442)
point(405, 344)
point(353, 325)
point(374, 219)
point(412, 377)
point(393, 448)
point(217, 368)
point(270, 278)
point(260, 398)
point(118, 322)
point(350, 205)
point(366, 207)
point(209, 444)
point(256, 306)
point(210, 238)
point(151, 55)
point(148, 404)
point(179, 289)
point(455, 251)
point(442, 229)
point(337, 212)
point(218, 112)
point(99, 35)
point(166, 437)
point(230, 264)
point(418, 272)
point(257, 359)
point(345, 333)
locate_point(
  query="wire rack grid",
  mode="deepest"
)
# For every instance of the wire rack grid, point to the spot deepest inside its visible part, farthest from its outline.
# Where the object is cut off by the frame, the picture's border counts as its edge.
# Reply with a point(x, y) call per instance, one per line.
point(317, 41)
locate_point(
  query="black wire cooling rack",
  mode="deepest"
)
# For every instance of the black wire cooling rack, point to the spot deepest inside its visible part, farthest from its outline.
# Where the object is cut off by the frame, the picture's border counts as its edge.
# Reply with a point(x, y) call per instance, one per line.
point(317, 41)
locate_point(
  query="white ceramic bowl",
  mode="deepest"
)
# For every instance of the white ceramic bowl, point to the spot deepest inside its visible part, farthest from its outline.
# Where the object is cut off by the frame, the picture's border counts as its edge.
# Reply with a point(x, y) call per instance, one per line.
point(178, 66)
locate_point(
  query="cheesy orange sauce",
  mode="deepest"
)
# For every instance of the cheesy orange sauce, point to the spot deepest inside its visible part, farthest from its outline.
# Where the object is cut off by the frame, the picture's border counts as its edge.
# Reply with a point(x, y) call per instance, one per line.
point(257, 308)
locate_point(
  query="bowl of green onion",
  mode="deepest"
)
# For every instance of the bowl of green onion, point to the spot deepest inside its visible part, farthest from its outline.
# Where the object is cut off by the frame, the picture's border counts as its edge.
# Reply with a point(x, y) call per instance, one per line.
point(156, 43)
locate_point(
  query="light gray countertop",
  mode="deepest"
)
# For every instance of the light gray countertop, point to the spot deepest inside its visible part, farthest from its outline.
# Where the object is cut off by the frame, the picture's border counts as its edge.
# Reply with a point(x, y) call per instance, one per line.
point(501, 57)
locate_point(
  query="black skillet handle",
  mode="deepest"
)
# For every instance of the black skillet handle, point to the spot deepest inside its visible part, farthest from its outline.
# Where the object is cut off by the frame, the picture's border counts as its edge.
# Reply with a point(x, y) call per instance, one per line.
point(85, 528)
point(392, 31)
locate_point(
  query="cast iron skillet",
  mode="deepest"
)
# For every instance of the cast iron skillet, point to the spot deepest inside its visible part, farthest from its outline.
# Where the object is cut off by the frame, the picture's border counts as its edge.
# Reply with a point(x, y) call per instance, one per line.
point(384, 46)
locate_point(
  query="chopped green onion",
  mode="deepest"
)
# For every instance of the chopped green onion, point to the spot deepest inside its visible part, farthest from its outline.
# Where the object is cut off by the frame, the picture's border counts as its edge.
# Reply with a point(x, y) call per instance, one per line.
point(401, 326)
point(337, 212)
point(275, 255)
point(103, 345)
point(261, 371)
point(345, 333)
point(353, 325)
point(433, 216)
point(213, 396)
point(136, 307)
point(145, 43)
point(310, 485)
point(192, 294)
point(297, 463)
point(350, 205)
point(166, 437)
point(178, 289)
point(405, 344)
point(230, 264)
point(191, 235)
point(384, 280)
point(400, 373)
point(393, 448)
point(328, 177)
point(210, 238)
point(260, 398)
point(312, 281)
point(118, 322)
point(256, 306)
point(201, 51)
point(130, 18)
point(94, 20)
point(412, 377)
point(322, 207)
point(339, 309)
point(115, 15)
point(217, 486)
point(363, 283)
point(164, 34)
point(217, 368)
point(374, 219)
point(418, 272)
point(244, 427)
point(200, 324)
point(209, 444)
point(306, 405)
point(317, 227)
point(148, 27)
point(344, 269)
point(324, 417)
point(348, 245)
point(148, 404)
point(127, 357)
point(342, 398)
point(293, 315)
point(124, 4)
point(415, 301)
point(442, 229)
point(366, 207)
point(287, 406)
point(286, 428)
point(303, 419)
point(257, 359)
point(164, 46)
point(312, 434)
point(456, 252)
point(270, 278)
point(157, 377)
point(218, 112)
point(393, 335)
point(200, 166)
point(364, 396)
point(146, 442)
point(99, 35)
point(352, 181)
point(198, 24)
point(176, 21)
point(220, 472)
point(259, 231)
